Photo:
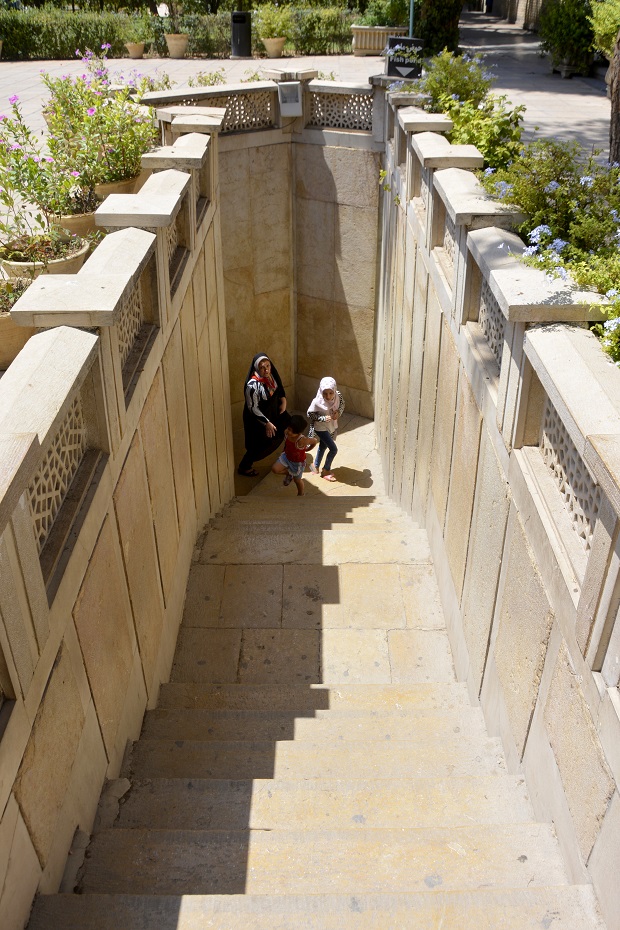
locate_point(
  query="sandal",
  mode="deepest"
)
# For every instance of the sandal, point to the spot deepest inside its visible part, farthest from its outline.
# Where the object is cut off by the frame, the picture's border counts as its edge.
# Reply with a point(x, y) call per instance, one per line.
point(329, 477)
point(252, 473)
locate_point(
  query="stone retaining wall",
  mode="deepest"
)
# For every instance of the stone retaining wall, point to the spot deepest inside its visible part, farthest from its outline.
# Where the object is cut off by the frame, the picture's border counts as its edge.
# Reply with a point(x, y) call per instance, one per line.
point(499, 426)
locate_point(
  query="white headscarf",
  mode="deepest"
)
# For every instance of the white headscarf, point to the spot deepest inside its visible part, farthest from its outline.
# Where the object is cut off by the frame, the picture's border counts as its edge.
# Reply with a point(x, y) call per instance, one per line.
point(319, 404)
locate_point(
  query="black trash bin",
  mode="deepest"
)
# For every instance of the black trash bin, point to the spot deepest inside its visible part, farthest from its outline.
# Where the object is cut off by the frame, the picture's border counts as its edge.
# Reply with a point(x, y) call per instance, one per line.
point(241, 34)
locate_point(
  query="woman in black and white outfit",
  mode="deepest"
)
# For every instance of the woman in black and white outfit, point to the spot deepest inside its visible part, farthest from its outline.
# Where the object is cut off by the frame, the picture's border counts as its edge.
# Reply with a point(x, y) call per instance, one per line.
point(264, 414)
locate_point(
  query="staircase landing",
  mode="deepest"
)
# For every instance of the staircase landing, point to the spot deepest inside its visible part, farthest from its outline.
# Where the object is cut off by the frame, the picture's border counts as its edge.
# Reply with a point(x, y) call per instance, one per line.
point(313, 763)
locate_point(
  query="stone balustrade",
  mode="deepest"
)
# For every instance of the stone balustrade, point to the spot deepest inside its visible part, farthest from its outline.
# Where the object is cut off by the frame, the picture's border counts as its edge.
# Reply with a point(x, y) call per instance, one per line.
point(498, 420)
point(116, 443)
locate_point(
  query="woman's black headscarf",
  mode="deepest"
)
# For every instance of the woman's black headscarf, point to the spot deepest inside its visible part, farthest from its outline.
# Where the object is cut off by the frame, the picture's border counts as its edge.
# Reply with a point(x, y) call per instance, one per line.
point(252, 371)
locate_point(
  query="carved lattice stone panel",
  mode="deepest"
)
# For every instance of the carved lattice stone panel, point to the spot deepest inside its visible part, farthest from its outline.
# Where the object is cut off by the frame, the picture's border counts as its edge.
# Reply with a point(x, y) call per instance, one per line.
point(172, 240)
point(53, 477)
point(492, 322)
point(341, 111)
point(247, 111)
point(449, 239)
point(130, 322)
point(581, 495)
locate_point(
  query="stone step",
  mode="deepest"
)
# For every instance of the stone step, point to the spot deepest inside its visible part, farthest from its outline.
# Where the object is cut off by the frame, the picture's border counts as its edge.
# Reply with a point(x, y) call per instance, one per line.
point(267, 804)
point(167, 723)
point(289, 542)
point(320, 516)
point(552, 908)
point(385, 699)
point(321, 861)
point(440, 757)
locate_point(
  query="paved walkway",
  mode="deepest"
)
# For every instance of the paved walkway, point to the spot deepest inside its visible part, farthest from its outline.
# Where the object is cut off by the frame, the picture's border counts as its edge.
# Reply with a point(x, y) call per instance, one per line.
point(571, 109)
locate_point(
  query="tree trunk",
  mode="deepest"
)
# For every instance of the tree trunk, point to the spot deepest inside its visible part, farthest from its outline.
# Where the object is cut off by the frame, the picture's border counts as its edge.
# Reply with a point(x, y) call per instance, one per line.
point(614, 88)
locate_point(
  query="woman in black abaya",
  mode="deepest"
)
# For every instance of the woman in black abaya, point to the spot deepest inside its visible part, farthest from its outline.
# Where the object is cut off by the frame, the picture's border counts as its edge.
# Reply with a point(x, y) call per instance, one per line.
point(264, 414)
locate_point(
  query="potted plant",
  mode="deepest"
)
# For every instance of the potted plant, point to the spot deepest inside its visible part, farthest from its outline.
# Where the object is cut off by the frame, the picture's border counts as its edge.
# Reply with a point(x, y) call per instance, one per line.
point(566, 35)
point(99, 135)
point(138, 31)
point(383, 18)
point(13, 338)
point(272, 24)
point(175, 39)
point(32, 189)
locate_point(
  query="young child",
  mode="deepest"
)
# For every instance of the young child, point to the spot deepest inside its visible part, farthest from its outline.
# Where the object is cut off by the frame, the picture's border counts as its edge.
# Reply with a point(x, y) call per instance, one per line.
point(293, 460)
point(323, 413)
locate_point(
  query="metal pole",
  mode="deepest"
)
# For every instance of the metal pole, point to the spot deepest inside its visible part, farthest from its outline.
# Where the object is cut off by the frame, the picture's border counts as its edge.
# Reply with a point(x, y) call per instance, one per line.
point(411, 2)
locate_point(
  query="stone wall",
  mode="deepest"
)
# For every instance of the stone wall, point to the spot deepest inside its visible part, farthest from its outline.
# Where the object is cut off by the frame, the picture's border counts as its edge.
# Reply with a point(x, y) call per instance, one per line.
point(499, 427)
point(116, 447)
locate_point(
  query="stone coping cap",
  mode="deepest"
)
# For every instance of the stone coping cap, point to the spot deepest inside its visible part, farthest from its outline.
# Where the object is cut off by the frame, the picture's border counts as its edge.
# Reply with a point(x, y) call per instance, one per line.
point(434, 151)
point(414, 119)
point(189, 151)
point(602, 456)
point(155, 205)
point(402, 99)
point(40, 385)
point(167, 114)
point(187, 94)
point(20, 454)
point(340, 87)
point(580, 380)
point(93, 296)
point(188, 123)
point(465, 199)
point(281, 74)
point(525, 294)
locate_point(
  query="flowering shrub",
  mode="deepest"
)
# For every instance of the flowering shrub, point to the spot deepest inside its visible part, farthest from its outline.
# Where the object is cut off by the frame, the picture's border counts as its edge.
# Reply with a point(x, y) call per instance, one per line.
point(272, 21)
point(573, 225)
point(102, 135)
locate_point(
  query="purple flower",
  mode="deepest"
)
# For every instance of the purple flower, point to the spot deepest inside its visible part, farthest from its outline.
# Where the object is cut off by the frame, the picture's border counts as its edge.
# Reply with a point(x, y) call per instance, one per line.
point(551, 187)
point(15, 146)
point(531, 250)
point(36, 158)
point(106, 46)
point(2, 117)
point(13, 100)
point(91, 111)
point(558, 244)
point(586, 181)
point(539, 231)
point(75, 174)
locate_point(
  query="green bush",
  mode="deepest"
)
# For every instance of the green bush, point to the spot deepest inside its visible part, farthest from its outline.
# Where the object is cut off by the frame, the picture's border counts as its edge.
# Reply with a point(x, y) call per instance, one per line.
point(385, 13)
point(463, 77)
point(566, 33)
point(491, 125)
point(605, 23)
point(437, 24)
point(54, 34)
point(325, 31)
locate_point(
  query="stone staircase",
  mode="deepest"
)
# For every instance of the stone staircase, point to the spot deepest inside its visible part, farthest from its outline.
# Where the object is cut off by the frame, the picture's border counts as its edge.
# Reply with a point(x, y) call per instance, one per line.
point(313, 764)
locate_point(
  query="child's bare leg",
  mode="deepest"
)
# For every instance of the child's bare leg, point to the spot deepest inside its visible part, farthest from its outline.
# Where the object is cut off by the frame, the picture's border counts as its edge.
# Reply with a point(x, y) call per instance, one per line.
point(299, 484)
point(279, 469)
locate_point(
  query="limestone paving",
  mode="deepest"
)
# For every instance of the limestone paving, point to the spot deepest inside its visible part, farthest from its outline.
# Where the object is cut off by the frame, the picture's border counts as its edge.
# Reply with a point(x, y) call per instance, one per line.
point(314, 762)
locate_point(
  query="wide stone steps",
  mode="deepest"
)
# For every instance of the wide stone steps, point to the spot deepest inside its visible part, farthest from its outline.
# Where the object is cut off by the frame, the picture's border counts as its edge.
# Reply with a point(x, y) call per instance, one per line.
point(272, 804)
point(542, 908)
point(322, 861)
point(313, 764)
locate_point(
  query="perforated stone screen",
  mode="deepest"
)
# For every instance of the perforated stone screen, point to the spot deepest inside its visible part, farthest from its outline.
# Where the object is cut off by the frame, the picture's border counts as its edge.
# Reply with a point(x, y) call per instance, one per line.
point(492, 322)
point(130, 322)
point(341, 111)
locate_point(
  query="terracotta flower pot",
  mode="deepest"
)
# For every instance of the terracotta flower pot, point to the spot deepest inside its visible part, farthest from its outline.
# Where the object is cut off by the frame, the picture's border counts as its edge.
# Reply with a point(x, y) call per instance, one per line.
point(79, 224)
point(274, 46)
point(68, 264)
point(13, 338)
point(135, 49)
point(177, 43)
point(116, 187)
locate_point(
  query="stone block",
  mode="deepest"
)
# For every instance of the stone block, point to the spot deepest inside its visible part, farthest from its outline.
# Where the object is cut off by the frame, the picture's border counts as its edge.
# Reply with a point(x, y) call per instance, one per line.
point(315, 337)
point(484, 557)
point(137, 539)
point(156, 445)
point(178, 429)
point(206, 655)
point(251, 596)
point(445, 418)
point(525, 622)
point(313, 175)
point(45, 770)
point(586, 778)
point(20, 871)
point(280, 657)
point(102, 616)
point(315, 234)
point(420, 594)
point(462, 482)
point(420, 655)
point(355, 657)
point(353, 346)
point(604, 864)
point(355, 174)
point(234, 170)
point(271, 165)
point(426, 426)
point(203, 601)
point(194, 402)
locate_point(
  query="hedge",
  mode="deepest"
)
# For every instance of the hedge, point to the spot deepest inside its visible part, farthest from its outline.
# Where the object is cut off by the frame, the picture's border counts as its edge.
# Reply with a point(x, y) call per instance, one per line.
point(52, 34)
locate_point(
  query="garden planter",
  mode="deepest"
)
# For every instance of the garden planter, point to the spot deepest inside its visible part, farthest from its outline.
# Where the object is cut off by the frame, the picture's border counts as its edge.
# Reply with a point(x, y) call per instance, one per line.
point(177, 43)
point(13, 338)
point(371, 40)
point(78, 224)
point(135, 49)
point(116, 187)
point(274, 46)
point(68, 264)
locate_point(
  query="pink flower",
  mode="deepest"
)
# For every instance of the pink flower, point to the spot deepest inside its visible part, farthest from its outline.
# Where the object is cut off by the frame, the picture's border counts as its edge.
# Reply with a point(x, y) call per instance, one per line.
point(36, 158)
point(75, 174)
point(91, 111)
point(15, 146)
point(13, 100)
point(2, 117)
